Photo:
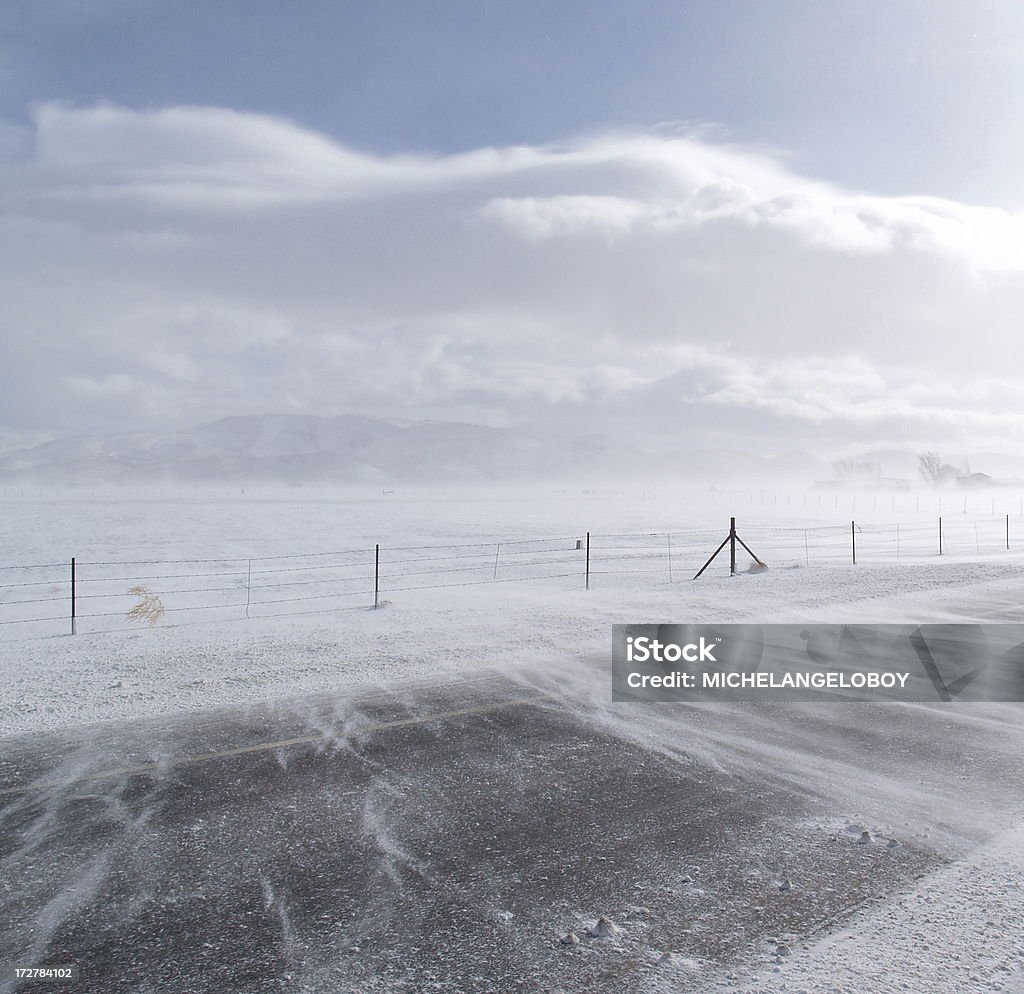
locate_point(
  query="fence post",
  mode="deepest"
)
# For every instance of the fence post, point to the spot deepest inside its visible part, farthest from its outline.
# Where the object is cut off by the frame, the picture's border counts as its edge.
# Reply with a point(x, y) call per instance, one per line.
point(376, 576)
point(588, 560)
point(732, 547)
point(669, 536)
point(807, 551)
point(940, 535)
point(497, 552)
point(853, 541)
point(74, 619)
point(897, 540)
point(248, 588)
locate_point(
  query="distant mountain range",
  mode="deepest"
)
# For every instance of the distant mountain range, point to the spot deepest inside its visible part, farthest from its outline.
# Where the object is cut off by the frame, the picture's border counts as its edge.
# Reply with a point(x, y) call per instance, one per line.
point(354, 449)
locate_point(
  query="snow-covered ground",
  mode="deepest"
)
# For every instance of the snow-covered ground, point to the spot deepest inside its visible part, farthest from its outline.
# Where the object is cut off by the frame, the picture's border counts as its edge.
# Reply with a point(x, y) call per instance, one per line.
point(444, 606)
point(956, 930)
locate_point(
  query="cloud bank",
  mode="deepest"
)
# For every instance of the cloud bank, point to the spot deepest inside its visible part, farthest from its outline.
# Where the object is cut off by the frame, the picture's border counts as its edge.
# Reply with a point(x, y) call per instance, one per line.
point(161, 268)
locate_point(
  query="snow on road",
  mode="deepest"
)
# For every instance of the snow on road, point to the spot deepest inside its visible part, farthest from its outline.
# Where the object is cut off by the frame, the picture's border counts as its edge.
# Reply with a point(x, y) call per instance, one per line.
point(957, 931)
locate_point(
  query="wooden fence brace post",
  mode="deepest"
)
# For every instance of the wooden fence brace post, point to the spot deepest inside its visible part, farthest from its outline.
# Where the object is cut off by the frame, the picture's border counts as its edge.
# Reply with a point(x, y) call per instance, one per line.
point(732, 547)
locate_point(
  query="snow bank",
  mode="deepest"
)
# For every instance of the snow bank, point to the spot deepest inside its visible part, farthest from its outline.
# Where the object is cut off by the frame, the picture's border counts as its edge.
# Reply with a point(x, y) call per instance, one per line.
point(958, 930)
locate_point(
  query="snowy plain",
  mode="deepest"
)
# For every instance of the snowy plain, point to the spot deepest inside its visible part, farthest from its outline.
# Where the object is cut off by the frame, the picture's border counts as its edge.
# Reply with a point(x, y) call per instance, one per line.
point(486, 578)
point(542, 628)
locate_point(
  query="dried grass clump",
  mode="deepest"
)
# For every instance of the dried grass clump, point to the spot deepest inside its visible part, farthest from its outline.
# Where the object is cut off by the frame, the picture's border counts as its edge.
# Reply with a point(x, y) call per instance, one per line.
point(150, 608)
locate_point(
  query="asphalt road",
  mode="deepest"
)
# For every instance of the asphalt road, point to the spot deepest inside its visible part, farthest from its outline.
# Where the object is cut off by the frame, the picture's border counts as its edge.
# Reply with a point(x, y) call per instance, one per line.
point(443, 839)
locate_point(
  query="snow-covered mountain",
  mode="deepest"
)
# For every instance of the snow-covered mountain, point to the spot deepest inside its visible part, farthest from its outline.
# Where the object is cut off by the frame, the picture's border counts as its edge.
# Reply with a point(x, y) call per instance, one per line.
point(354, 449)
point(307, 448)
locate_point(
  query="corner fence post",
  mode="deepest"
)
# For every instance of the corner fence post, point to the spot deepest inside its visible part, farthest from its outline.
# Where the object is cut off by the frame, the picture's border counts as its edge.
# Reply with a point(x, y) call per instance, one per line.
point(731, 539)
point(376, 576)
point(588, 560)
point(74, 594)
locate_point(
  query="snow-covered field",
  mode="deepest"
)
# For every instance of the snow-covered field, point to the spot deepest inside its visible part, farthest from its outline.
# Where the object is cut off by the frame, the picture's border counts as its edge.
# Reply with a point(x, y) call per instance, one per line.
point(469, 580)
point(955, 931)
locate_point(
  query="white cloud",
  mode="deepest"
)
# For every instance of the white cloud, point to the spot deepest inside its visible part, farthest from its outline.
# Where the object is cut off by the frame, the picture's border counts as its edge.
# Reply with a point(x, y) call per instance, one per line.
point(579, 216)
point(188, 263)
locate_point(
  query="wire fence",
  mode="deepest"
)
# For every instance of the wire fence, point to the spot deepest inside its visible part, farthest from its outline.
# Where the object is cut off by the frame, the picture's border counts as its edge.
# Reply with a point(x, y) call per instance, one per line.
point(95, 596)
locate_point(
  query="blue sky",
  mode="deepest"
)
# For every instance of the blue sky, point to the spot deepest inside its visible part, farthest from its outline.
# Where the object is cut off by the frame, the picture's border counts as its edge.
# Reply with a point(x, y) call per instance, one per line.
point(757, 224)
point(892, 96)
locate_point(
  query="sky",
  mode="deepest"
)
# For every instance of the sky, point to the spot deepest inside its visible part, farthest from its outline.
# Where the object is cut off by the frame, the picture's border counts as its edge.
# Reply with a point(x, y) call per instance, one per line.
point(762, 225)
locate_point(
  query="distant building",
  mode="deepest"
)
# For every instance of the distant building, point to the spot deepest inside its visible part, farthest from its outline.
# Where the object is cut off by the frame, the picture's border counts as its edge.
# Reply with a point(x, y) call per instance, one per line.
point(969, 481)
